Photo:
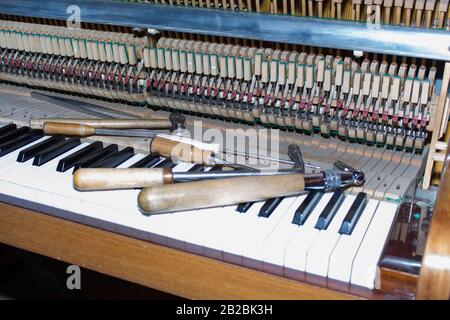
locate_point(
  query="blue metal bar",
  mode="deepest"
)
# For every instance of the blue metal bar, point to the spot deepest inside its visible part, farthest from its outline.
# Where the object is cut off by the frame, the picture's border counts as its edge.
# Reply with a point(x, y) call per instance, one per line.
point(338, 34)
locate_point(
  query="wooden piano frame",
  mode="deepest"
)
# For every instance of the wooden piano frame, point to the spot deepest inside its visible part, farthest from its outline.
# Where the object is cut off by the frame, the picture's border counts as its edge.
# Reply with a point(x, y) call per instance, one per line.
point(196, 277)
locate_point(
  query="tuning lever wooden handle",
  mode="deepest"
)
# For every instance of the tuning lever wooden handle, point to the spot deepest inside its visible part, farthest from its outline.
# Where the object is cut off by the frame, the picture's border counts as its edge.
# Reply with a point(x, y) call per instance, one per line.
point(107, 123)
point(221, 192)
point(90, 179)
point(181, 152)
point(70, 129)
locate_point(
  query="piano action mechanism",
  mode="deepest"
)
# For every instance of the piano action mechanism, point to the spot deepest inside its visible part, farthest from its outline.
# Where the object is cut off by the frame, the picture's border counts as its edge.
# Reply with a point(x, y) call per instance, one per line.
point(368, 86)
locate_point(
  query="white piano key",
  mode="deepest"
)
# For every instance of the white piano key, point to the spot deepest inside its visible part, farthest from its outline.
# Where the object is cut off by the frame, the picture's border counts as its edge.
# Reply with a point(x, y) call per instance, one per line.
point(104, 202)
point(128, 163)
point(116, 206)
point(40, 178)
point(275, 244)
point(253, 243)
point(219, 218)
point(10, 169)
point(364, 267)
point(158, 225)
point(297, 248)
point(185, 219)
point(10, 158)
point(62, 185)
point(341, 259)
point(9, 166)
point(320, 251)
point(58, 191)
point(195, 231)
point(10, 173)
point(6, 159)
point(237, 229)
point(234, 233)
point(168, 224)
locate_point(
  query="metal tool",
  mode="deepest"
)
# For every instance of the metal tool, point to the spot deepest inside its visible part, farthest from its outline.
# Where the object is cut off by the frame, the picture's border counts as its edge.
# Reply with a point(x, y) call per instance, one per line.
point(82, 130)
point(126, 133)
point(295, 154)
point(86, 107)
point(175, 122)
point(267, 158)
point(78, 106)
point(230, 190)
point(339, 177)
point(192, 154)
point(90, 179)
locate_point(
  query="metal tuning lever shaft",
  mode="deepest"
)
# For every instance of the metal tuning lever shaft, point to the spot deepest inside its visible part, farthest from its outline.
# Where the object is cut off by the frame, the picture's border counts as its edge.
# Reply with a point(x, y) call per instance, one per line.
point(233, 190)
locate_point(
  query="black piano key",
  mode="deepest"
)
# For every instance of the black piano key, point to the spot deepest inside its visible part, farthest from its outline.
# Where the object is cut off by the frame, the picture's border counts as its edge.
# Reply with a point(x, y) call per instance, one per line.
point(166, 163)
point(269, 207)
point(32, 151)
point(216, 167)
point(306, 207)
point(19, 142)
point(244, 207)
point(8, 136)
point(69, 161)
point(330, 210)
point(148, 161)
point(196, 168)
point(8, 128)
point(55, 150)
point(115, 159)
point(353, 215)
point(95, 156)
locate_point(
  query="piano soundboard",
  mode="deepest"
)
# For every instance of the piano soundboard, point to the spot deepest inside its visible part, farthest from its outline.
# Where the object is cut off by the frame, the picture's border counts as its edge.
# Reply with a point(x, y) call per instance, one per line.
point(381, 113)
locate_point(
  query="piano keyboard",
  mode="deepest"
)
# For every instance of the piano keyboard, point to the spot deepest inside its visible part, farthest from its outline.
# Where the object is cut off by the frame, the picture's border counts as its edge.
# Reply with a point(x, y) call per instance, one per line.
point(336, 236)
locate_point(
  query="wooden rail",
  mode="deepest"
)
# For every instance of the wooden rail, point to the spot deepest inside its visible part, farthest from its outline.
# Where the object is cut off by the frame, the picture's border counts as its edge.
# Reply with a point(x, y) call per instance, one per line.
point(434, 279)
point(149, 264)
